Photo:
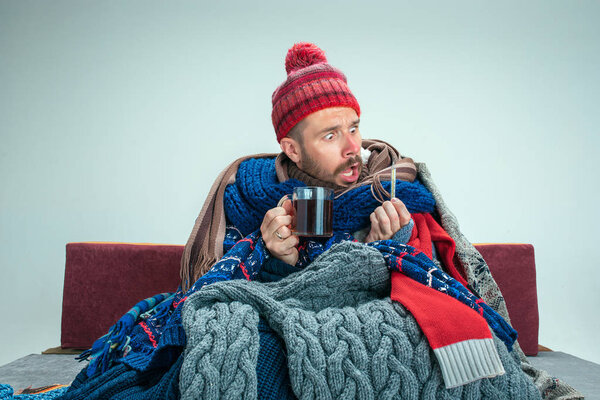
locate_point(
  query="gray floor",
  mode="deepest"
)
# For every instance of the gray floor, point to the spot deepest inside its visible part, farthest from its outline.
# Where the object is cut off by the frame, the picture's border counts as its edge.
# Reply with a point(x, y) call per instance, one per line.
point(581, 374)
point(37, 370)
point(45, 369)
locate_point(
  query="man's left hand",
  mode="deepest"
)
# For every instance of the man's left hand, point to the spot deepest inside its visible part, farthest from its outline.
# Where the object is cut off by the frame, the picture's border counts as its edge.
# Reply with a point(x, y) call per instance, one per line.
point(387, 219)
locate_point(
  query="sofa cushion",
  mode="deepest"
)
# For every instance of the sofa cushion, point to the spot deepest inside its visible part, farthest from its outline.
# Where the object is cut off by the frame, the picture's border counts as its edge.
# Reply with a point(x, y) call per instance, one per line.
point(104, 280)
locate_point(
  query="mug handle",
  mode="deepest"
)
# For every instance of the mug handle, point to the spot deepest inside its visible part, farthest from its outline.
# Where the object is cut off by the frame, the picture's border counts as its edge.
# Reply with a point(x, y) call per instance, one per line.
point(283, 199)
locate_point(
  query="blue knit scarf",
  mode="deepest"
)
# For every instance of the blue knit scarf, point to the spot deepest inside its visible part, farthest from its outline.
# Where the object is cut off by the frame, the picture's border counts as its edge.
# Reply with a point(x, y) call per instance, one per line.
point(257, 189)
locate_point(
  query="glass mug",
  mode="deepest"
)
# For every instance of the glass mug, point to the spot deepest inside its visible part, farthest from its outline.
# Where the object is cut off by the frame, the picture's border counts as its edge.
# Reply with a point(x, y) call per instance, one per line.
point(313, 211)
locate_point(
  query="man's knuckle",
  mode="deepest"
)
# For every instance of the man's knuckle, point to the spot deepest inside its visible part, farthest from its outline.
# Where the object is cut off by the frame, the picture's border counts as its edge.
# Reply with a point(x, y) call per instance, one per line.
point(270, 214)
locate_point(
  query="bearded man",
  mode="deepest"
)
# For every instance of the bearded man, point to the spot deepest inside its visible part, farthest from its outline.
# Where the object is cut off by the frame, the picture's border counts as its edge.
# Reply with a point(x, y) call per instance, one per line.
point(299, 354)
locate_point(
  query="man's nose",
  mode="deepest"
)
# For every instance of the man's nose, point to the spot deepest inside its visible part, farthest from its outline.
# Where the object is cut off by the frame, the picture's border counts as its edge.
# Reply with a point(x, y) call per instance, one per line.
point(351, 145)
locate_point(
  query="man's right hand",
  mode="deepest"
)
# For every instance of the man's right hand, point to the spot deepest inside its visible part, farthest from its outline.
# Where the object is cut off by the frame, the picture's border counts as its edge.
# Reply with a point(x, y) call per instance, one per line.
point(277, 234)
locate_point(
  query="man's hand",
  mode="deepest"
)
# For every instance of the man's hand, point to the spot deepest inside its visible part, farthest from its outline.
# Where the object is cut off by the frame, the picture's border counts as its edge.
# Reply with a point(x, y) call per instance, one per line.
point(277, 234)
point(387, 219)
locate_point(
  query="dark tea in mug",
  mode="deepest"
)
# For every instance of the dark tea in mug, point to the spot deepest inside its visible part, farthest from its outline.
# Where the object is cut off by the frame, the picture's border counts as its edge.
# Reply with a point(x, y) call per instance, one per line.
point(313, 217)
point(313, 211)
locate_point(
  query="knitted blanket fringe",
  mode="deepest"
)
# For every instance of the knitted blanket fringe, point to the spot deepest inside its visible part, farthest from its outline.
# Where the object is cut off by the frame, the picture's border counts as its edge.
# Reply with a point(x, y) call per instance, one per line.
point(118, 337)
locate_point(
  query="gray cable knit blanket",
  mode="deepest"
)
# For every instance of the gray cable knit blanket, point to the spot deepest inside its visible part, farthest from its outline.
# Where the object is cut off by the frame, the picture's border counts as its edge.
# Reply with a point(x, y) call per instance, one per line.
point(345, 338)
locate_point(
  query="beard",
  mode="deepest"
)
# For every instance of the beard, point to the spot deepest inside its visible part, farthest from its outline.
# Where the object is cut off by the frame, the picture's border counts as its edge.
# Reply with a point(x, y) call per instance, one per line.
point(312, 168)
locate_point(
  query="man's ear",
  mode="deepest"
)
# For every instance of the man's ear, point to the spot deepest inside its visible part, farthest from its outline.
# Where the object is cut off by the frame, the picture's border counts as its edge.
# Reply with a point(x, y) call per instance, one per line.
point(291, 148)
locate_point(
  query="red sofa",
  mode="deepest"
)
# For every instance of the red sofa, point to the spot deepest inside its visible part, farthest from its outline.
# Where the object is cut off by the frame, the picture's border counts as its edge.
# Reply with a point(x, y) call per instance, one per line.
point(103, 280)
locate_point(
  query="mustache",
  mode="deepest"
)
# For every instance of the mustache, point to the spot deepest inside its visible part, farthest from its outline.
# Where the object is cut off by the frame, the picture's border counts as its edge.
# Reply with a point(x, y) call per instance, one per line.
point(349, 163)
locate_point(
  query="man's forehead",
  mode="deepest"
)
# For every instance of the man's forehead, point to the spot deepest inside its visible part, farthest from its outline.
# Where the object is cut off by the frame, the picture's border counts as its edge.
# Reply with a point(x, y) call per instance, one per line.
point(330, 119)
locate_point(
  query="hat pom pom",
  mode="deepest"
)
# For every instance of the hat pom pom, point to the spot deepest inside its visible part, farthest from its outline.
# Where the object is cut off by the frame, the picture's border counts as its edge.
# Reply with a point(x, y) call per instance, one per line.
point(302, 55)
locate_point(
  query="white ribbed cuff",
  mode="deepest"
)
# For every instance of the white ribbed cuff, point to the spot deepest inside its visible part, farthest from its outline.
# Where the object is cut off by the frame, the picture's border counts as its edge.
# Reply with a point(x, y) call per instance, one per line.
point(469, 360)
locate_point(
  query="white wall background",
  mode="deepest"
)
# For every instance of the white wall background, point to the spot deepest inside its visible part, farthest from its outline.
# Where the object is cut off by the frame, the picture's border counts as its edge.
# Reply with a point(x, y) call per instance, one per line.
point(115, 118)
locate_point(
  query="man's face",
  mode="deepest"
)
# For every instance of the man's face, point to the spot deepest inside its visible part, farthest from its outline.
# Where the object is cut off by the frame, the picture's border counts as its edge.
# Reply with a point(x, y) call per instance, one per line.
point(330, 148)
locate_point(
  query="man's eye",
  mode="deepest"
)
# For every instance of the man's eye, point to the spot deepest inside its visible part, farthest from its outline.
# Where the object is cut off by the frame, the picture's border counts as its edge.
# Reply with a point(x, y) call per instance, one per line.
point(329, 136)
point(353, 129)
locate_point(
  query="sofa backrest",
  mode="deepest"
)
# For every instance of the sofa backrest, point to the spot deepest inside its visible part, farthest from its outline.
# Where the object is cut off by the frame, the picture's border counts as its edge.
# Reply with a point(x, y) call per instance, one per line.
point(103, 280)
point(513, 268)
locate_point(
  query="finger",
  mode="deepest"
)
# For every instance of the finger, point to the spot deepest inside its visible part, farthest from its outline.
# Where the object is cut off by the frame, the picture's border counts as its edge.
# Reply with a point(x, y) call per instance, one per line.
point(292, 241)
point(292, 251)
point(278, 222)
point(288, 207)
point(392, 214)
point(287, 246)
point(384, 223)
point(403, 213)
point(272, 213)
point(375, 231)
point(285, 232)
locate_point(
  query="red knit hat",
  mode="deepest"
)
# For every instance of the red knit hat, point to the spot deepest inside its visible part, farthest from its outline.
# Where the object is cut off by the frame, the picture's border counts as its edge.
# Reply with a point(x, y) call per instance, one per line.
point(311, 85)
